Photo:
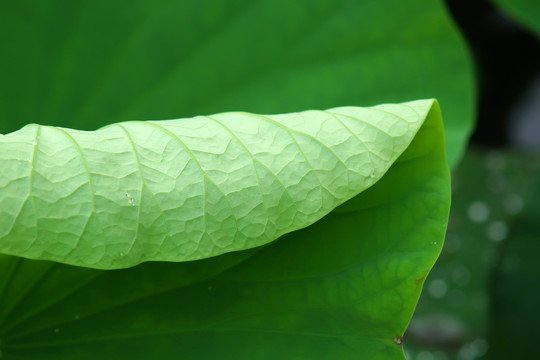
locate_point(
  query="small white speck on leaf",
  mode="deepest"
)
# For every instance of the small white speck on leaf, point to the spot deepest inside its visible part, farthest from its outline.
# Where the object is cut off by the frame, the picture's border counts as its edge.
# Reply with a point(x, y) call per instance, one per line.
point(130, 200)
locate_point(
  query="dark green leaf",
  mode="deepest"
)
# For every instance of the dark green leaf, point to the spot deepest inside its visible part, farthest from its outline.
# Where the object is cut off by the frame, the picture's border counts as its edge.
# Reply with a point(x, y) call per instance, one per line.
point(342, 288)
point(526, 12)
point(89, 63)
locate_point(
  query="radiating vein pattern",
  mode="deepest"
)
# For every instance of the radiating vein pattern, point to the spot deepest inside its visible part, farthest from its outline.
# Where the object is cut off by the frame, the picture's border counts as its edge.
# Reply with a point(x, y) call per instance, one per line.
point(187, 189)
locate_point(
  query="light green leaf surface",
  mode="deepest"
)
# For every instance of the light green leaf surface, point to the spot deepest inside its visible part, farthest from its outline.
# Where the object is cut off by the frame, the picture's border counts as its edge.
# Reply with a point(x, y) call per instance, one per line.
point(192, 188)
point(343, 288)
point(526, 12)
point(88, 63)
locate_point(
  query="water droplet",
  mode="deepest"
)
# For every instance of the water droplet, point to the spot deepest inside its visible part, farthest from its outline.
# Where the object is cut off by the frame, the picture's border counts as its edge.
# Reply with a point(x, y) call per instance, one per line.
point(440, 355)
point(461, 275)
point(372, 175)
point(435, 243)
point(478, 212)
point(437, 288)
point(456, 298)
point(130, 199)
point(398, 340)
point(425, 355)
point(481, 346)
point(122, 253)
point(56, 331)
point(35, 142)
point(513, 204)
point(202, 167)
point(496, 182)
point(469, 351)
point(488, 256)
point(495, 161)
point(497, 231)
point(511, 263)
point(479, 301)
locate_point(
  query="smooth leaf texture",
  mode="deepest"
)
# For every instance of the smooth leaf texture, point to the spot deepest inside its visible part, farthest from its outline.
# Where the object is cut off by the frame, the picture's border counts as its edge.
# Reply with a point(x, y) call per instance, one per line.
point(342, 288)
point(88, 63)
point(192, 188)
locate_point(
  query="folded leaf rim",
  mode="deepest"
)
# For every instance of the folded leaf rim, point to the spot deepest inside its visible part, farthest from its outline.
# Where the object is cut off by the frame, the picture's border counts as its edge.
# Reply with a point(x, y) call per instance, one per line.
point(31, 157)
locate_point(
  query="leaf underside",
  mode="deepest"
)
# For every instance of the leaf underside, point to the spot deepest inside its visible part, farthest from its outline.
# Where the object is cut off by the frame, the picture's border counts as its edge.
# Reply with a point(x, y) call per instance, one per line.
point(344, 287)
point(188, 189)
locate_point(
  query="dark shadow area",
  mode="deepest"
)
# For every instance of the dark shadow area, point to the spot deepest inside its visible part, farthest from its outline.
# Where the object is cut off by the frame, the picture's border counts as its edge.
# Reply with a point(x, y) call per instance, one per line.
point(507, 60)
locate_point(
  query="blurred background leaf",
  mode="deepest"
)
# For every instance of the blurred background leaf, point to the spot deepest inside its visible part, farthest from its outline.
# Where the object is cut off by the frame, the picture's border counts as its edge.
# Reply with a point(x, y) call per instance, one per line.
point(478, 300)
point(526, 12)
point(514, 290)
point(465, 298)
